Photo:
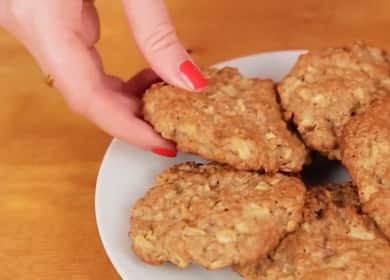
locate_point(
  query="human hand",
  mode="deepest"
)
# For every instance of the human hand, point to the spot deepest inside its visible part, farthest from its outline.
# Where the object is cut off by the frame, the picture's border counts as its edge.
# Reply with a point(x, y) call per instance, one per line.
point(61, 36)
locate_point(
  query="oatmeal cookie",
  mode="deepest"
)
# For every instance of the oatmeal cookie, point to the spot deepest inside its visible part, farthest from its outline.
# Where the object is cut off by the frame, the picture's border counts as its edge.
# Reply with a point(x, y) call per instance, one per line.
point(214, 215)
point(334, 242)
point(235, 120)
point(326, 87)
point(365, 150)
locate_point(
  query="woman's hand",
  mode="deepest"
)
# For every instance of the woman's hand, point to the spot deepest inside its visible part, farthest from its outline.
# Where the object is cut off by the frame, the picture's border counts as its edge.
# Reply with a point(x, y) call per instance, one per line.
point(61, 36)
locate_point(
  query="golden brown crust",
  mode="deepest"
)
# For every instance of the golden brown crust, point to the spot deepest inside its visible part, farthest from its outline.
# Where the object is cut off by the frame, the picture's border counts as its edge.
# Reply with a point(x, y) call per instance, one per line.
point(214, 216)
point(236, 120)
point(335, 241)
point(326, 87)
point(366, 153)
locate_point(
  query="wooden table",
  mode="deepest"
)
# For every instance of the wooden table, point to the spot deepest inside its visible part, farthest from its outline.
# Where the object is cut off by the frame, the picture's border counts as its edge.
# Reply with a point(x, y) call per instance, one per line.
point(47, 165)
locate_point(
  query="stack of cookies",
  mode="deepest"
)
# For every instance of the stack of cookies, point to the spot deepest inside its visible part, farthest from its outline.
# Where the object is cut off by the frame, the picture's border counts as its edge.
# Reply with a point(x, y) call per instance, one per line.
point(248, 209)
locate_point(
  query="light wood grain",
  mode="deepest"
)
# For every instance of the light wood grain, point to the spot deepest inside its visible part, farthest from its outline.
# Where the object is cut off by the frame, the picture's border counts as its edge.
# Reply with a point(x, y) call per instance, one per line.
point(49, 157)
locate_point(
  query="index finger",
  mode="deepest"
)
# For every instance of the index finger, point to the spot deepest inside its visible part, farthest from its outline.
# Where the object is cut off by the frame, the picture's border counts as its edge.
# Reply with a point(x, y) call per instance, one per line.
point(157, 40)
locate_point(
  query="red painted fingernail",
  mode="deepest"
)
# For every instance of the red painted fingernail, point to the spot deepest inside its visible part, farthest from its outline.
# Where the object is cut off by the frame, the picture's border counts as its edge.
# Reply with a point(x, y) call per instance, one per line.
point(192, 75)
point(164, 152)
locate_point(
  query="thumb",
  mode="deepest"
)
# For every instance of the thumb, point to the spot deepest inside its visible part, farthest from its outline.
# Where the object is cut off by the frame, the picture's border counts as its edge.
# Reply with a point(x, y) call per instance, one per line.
point(157, 40)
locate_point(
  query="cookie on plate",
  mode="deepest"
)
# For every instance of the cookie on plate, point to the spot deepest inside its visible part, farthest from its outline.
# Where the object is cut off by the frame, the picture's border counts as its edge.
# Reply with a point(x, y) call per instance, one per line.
point(214, 215)
point(235, 120)
point(328, 86)
point(366, 153)
point(334, 242)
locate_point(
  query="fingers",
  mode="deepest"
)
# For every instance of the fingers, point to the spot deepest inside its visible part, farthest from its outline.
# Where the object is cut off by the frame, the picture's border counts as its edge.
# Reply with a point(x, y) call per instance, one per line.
point(157, 40)
point(89, 27)
point(60, 35)
point(114, 113)
point(114, 83)
point(90, 92)
point(141, 82)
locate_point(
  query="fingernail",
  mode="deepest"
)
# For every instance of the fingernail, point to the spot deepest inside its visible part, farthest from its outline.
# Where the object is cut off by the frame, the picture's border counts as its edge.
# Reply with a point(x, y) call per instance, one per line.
point(164, 152)
point(192, 75)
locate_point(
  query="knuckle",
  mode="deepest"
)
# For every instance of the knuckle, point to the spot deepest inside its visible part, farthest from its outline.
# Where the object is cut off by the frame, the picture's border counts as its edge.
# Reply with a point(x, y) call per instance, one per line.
point(163, 37)
point(77, 105)
point(84, 97)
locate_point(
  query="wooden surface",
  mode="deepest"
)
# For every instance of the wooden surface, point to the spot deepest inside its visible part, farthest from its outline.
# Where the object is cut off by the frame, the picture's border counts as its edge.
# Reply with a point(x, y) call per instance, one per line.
point(49, 157)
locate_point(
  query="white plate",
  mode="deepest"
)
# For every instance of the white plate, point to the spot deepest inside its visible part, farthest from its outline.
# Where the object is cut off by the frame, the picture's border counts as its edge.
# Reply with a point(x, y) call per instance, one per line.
point(126, 173)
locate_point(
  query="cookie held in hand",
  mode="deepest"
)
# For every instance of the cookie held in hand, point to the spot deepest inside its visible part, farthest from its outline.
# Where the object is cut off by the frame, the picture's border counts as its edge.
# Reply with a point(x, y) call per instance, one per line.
point(235, 120)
